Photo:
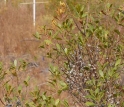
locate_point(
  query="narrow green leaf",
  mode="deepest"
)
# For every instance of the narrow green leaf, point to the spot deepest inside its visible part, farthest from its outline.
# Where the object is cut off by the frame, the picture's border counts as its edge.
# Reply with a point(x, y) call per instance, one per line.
point(66, 51)
point(44, 97)
point(58, 47)
point(97, 91)
point(118, 62)
point(59, 25)
point(37, 35)
point(84, 15)
point(101, 73)
point(15, 63)
point(90, 104)
point(19, 89)
point(57, 102)
point(48, 42)
point(65, 103)
point(117, 31)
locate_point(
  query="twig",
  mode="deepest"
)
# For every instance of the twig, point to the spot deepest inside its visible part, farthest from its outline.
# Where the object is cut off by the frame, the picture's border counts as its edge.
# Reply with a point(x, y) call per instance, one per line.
point(2, 102)
point(75, 21)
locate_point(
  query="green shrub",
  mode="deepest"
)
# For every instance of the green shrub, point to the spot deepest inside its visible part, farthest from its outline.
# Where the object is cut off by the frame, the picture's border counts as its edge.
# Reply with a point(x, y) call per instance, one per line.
point(87, 45)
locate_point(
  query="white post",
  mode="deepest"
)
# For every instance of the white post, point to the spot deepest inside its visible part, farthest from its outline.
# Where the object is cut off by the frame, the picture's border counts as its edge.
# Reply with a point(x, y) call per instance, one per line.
point(34, 9)
point(34, 12)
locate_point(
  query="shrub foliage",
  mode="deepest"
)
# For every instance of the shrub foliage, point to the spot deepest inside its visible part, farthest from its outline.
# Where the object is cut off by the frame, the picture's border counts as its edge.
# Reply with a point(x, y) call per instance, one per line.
point(87, 44)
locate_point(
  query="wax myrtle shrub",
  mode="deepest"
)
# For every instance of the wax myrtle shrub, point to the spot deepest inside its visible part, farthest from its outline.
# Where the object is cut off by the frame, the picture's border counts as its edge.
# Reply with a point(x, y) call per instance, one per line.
point(86, 42)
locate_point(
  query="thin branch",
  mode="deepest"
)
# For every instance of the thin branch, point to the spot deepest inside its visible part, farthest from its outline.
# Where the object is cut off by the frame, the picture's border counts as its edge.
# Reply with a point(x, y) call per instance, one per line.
point(2, 101)
point(75, 21)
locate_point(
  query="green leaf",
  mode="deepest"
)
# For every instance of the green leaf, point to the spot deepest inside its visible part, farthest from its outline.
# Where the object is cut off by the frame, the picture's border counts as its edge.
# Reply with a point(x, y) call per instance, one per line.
point(44, 97)
point(65, 103)
point(19, 89)
point(118, 62)
point(86, 68)
point(63, 85)
point(97, 91)
point(109, 5)
point(117, 31)
point(30, 104)
point(84, 15)
point(90, 97)
point(101, 73)
point(81, 8)
point(58, 47)
point(92, 92)
point(101, 95)
point(41, 46)
point(59, 25)
point(66, 51)
point(48, 42)
point(58, 38)
point(26, 81)
point(110, 73)
point(15, 63)
point(28, 78)
point(37, 35)
point(111, 105)
point(90, 104)
point(57, 102)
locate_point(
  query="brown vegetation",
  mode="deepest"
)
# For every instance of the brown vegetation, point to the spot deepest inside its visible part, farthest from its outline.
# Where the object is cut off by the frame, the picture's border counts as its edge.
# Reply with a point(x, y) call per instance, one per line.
point(17, 42)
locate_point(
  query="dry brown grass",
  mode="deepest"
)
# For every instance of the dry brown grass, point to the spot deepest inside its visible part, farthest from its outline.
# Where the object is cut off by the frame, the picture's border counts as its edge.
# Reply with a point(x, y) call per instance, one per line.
point(17, 42)
point(15, 26)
